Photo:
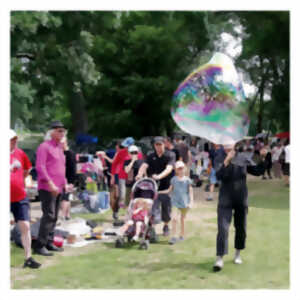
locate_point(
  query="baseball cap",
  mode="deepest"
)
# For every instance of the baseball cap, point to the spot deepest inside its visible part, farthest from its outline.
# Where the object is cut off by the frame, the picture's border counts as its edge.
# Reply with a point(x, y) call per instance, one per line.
point(56, 124)
point(127, 142)
point(12, 134)
point(159, 140)
point(179, 164)
point(133, 148)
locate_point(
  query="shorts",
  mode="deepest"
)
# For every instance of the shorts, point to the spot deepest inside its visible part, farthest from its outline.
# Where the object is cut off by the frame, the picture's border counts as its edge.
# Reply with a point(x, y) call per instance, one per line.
point(286, 169)
point(20, 210)
point(65, 197)
point(212, 176)
point(116, 179)
point(183, 211)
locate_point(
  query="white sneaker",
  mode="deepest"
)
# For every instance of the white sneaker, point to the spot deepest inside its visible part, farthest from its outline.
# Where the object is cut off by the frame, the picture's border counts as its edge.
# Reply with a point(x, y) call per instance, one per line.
point(135, 238)
point(237, 259)
point(218, 266)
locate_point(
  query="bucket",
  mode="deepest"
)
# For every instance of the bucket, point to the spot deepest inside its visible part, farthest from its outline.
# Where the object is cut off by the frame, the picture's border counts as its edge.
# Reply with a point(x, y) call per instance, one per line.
point(58, 241)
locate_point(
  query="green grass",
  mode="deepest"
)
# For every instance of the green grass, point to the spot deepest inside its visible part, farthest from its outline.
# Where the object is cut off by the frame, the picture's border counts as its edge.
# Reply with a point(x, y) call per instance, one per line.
point(186, 265)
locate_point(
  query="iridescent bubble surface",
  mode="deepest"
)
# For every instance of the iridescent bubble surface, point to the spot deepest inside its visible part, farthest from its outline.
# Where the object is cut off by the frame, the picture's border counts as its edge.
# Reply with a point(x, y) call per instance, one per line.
point(210, 102)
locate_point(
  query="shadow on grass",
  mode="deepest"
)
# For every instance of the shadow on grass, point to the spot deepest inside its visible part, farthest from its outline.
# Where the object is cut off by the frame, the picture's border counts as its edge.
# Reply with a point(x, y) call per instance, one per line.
point(130, 245)
point(158, 266)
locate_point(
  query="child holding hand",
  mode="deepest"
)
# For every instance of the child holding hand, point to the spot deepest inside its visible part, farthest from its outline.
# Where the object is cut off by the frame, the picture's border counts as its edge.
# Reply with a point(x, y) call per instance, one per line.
point(182, 199)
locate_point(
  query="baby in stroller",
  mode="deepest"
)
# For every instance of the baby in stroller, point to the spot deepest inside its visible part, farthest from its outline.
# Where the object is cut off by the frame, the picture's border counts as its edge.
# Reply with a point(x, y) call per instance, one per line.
point(139, 217)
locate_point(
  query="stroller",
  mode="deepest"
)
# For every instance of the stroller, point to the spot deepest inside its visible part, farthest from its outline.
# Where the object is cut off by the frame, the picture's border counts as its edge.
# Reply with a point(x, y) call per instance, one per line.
point(146, 190)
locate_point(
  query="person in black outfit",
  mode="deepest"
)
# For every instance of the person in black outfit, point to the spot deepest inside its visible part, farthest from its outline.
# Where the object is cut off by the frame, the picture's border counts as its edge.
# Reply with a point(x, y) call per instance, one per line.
point(132, 165)
point(268, 165)
point(159, 165)
point(233, 196)
point(70, 175)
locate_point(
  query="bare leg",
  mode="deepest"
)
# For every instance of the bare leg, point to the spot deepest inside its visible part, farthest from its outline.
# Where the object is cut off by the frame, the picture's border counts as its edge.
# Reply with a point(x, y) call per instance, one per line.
point(138, 228)
point(182, 217)
point(25, 237)
point(124, 228)
point(65, 208)
point(174, 221)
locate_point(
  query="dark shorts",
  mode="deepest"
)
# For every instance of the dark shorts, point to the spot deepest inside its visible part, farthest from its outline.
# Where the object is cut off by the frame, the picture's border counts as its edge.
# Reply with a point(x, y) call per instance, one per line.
point(286, 169)
point(116, 179)
point(65, 197)
point(20, 210)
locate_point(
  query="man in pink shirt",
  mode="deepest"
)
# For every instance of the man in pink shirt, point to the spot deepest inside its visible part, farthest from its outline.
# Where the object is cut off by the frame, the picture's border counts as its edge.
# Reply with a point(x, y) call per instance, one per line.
point(51, 170)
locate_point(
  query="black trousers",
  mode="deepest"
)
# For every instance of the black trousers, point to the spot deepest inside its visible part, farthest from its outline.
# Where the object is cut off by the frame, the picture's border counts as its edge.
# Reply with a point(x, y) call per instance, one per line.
point(50, 208)
point(240, 224)
point(161, 208)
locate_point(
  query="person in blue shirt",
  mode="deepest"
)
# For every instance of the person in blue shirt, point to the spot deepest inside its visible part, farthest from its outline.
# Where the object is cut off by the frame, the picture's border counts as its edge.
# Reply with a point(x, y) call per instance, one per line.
point(181, 198)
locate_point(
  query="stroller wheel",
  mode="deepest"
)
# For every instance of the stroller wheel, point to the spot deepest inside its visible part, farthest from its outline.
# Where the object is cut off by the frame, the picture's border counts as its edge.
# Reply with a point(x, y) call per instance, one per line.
point(120, 243)
point(153, 237)
point(144, 245)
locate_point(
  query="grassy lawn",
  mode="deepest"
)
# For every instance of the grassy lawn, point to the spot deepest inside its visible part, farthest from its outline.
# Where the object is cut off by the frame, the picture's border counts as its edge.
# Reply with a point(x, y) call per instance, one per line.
point(186, 265)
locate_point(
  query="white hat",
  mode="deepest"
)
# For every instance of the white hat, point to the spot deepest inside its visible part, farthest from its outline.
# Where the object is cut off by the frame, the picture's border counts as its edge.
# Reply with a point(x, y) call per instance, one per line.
point(133, 148)
point(12, 134)
point(179, 164)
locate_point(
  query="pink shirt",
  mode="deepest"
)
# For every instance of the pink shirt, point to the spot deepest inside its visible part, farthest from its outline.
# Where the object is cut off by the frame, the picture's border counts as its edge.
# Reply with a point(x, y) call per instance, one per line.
point(140, 216)
point(51, 165)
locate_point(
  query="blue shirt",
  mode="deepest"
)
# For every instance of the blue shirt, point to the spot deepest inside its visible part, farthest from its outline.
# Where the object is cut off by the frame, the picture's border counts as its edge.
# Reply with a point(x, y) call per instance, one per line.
point(180, 196)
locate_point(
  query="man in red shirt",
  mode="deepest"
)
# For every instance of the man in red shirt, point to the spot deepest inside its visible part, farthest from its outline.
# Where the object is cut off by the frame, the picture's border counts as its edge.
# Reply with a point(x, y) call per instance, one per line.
point(118, 174)
point(19, 168)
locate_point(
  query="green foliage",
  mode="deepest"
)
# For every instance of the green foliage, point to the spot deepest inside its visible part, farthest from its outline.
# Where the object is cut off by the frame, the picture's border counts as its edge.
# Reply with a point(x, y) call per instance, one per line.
point(113, 74)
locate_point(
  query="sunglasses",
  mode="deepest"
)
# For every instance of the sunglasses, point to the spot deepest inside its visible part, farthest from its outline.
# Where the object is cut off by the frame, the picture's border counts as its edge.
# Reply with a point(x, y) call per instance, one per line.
point(134, 152)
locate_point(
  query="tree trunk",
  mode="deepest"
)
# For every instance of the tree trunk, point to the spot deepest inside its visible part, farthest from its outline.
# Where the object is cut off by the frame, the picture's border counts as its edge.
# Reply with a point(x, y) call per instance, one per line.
point(79, 113)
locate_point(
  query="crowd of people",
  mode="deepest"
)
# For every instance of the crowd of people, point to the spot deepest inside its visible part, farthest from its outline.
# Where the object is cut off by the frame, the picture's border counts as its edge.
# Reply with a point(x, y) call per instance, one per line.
point(175, 164)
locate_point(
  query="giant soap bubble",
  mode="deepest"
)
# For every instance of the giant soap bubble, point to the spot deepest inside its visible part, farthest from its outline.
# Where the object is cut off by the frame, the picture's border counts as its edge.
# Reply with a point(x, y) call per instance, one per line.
point(210, 102)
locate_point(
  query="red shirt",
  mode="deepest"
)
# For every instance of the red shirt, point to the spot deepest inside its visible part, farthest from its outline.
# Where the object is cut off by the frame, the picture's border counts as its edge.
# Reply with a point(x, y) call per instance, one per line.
point(19, 162)
point(117, 166)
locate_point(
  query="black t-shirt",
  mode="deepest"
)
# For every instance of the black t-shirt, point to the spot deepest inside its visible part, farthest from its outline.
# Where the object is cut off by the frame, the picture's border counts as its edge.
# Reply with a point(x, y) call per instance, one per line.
point(70, 166)
point(135, 168)
point(157, 164)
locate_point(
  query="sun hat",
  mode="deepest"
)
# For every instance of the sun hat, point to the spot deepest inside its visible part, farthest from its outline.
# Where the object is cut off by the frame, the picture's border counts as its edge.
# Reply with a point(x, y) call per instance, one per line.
point(56, 124)
point(133, 148)
point(127, 142)
point(179, 164)
point(12, 134)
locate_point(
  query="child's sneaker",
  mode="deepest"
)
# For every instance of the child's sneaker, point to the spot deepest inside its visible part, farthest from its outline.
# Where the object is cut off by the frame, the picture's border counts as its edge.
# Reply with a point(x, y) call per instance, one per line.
point(181, 238)
point(172, 241)
point(165, 230)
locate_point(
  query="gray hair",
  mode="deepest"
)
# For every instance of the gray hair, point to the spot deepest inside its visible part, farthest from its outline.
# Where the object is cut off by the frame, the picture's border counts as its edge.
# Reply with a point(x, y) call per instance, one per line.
point(48, 134)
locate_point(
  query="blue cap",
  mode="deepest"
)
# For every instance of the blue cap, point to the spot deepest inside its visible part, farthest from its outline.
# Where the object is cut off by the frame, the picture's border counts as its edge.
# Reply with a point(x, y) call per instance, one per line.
point(128, 142)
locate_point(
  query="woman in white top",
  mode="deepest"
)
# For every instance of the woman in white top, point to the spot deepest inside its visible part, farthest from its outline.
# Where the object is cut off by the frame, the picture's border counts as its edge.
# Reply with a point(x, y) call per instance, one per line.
point(276, 151)
point(286, 165)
